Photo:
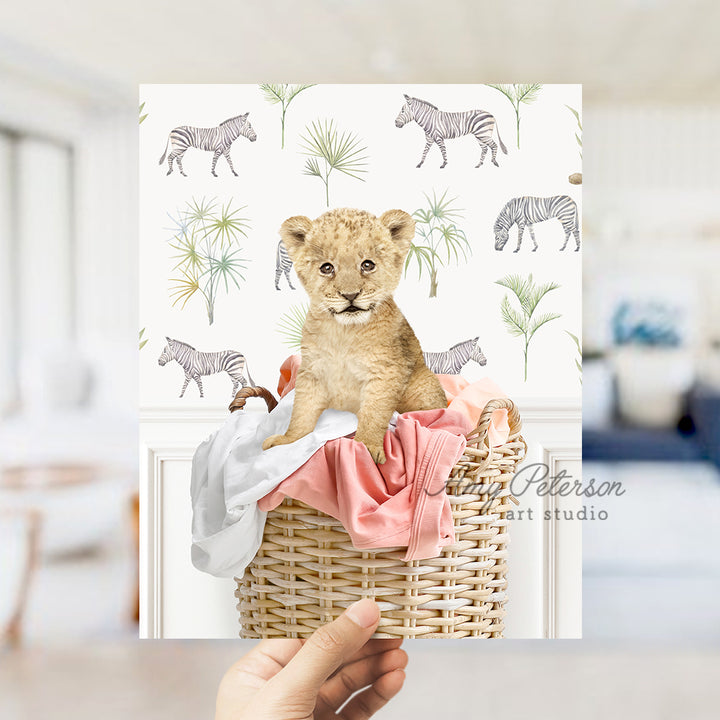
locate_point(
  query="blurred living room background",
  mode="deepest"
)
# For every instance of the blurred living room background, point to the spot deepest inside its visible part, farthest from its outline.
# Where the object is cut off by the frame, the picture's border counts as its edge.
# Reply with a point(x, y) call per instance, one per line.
point(69, 329)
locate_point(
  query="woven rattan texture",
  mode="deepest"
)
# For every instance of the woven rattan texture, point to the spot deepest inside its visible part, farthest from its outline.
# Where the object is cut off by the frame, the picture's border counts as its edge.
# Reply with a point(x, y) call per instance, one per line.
point(307, 571)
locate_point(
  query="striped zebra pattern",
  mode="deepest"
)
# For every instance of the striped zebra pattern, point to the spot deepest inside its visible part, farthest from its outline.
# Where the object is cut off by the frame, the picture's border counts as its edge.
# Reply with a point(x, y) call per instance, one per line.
point(452, 361)
point(526, 211)
point(217, 139)
point(440, 126)
point(283, 264)
point(196, 364)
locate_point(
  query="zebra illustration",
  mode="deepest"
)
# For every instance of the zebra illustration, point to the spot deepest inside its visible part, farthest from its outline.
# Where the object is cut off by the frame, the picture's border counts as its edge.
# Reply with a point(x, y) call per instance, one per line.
point(526, 211)
point(451, 361)
point(196, 364)
point(440, 126)
point(218, 139)
point(283, 264)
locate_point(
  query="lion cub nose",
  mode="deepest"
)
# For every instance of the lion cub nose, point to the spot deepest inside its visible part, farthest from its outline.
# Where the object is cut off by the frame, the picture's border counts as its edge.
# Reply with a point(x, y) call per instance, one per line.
point(350, 296)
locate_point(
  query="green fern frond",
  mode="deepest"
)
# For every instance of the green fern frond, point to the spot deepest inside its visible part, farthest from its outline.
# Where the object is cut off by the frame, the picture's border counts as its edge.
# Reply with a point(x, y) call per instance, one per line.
point(541, 320)
point(535, 294)
point(518, 285)
point(506, 90)
point(513, 320)
point(519, 94)
point(295, 90)
point(273, 93)
point(528, 93)
point(525, 323)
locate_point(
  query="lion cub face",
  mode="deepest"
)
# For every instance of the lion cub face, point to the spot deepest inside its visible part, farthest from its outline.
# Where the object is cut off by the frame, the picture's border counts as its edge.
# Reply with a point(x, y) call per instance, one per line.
point(349, 261)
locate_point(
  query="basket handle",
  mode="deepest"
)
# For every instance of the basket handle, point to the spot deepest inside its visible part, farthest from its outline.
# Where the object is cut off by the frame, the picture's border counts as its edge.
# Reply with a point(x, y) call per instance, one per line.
point(247, 392)
point(479, 434)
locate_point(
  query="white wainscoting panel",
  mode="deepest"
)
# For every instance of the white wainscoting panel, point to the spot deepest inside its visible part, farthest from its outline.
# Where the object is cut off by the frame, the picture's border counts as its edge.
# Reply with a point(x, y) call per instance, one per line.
point(545, 551)
point(176, 600)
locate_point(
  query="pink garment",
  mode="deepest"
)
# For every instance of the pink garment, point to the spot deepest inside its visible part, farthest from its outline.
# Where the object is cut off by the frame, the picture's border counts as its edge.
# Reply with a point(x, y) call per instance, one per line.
point(403, 501)
point(471, 399)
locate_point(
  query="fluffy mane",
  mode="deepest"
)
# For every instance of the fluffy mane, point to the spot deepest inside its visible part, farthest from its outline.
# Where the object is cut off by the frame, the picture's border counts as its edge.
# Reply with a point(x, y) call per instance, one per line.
point(229, 120)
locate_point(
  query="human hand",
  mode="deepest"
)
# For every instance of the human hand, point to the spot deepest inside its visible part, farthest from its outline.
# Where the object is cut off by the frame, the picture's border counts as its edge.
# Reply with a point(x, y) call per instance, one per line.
point(296, 679)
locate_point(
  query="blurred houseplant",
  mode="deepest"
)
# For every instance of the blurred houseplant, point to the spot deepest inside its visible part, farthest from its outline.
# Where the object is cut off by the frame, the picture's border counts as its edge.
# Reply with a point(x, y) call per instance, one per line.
point(653, 364)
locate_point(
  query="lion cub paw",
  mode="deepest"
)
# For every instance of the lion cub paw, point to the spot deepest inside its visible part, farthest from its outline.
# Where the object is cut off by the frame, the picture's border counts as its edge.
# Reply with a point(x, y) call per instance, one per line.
point(275, 440)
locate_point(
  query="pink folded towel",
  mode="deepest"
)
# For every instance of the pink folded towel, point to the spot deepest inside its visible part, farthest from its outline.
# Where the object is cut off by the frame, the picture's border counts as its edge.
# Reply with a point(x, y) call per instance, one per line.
point(403, 501)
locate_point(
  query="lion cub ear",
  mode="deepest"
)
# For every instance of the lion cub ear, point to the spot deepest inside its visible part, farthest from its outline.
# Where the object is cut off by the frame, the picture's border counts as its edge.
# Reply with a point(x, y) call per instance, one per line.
point(401, 227)
point(294, 231)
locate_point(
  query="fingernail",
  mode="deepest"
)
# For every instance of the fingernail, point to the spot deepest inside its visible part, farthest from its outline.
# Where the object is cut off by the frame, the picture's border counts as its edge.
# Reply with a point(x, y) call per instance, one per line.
point(364, 612)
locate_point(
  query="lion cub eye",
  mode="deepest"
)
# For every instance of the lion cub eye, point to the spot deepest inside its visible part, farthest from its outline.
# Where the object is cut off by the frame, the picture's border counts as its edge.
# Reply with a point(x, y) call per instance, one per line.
point(327, 269)
point(367, 265)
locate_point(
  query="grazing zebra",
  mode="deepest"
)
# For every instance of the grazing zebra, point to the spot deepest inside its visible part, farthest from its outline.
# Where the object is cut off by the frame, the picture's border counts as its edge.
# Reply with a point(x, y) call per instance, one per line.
point(440, 126)
point(196, 364)
point(451, 361)
point(283, 264)
point(218, 139)
point(526, 211)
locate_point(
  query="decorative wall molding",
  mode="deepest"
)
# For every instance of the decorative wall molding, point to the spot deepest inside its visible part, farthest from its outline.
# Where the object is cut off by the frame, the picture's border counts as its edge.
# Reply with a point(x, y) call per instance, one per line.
point(152, 478)
point(531, 410)
point(553, 456)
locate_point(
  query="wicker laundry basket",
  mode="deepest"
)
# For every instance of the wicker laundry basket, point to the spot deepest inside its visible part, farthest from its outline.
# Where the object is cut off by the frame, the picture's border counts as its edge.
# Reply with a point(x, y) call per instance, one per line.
point(307, 571)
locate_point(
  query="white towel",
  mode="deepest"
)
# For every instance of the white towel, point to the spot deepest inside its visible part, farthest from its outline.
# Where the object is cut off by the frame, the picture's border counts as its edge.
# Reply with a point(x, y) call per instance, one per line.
point(231, 472)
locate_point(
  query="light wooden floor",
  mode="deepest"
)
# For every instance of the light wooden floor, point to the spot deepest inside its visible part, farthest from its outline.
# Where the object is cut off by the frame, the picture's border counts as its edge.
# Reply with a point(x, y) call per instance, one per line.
point(564, 679)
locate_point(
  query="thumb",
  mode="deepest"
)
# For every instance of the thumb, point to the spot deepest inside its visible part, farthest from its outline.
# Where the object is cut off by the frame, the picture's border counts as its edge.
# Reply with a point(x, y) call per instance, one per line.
point(327, 649)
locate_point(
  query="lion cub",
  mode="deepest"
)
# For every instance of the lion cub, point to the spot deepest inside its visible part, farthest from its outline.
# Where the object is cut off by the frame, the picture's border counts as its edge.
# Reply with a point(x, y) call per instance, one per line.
point(358, 351)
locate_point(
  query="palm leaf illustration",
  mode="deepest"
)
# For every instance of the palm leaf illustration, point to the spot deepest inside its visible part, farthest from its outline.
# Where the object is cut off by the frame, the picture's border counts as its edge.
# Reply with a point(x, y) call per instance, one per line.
point(329, 149)
point(283, 95)
point(524, 323)
point(205, 238)
point(519, 94)
point(291, 324)
point(435, 226)
point(578, 359)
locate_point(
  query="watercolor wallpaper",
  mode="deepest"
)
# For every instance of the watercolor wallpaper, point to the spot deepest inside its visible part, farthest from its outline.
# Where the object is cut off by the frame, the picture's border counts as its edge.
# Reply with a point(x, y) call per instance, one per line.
point(492, 285)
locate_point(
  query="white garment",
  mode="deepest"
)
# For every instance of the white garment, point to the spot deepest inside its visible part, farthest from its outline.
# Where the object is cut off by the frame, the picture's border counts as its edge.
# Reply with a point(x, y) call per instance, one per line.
point(231, 472)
